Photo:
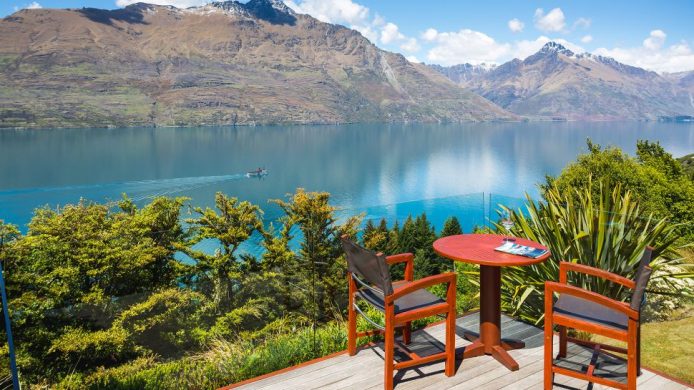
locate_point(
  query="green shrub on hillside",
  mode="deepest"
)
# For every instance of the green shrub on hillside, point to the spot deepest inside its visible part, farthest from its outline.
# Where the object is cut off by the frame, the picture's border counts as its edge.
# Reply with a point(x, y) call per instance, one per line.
point(655, 179)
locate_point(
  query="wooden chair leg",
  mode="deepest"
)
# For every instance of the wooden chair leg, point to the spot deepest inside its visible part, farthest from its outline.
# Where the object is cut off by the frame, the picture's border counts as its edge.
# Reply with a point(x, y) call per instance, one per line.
point(407, 333)
point(389, 347)
point(632, 361)
point(450, 343)
point(548, 377)
point(351, 322)
point(562, 342)
point(638, 350)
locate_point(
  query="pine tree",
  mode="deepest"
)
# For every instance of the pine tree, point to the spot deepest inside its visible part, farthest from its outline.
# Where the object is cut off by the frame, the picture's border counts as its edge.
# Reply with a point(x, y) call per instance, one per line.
point(451, 227)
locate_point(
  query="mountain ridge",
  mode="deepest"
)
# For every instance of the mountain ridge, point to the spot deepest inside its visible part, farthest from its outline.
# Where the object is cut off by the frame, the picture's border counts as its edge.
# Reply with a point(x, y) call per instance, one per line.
point(557, 83)
point(222, 63)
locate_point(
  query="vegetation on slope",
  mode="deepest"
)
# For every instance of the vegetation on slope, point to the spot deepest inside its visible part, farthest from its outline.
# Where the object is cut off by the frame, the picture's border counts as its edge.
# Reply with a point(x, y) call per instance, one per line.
point(101, 299)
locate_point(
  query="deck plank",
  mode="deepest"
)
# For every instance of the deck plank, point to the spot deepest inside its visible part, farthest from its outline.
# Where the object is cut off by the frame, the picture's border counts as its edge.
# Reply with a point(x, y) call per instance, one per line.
point(365, 369)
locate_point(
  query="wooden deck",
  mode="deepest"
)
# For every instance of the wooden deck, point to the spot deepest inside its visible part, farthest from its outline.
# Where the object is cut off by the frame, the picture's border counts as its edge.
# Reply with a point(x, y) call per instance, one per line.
point(365, 370)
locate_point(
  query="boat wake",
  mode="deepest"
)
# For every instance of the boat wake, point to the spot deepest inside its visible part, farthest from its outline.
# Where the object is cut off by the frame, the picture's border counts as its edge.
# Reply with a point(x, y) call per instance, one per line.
point(137, 190)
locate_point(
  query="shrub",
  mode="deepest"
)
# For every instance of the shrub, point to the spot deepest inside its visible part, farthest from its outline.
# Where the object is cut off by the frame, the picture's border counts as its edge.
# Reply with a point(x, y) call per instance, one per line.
point(609, 233)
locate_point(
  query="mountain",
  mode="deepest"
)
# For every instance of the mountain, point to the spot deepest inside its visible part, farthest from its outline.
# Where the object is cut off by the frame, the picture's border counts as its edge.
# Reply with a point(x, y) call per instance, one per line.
point(464, 72)
point(223, 63)
point(558, 83)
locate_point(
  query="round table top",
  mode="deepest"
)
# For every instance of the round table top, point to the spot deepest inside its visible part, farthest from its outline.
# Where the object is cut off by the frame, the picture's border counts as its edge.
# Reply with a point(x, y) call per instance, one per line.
point(479, 249)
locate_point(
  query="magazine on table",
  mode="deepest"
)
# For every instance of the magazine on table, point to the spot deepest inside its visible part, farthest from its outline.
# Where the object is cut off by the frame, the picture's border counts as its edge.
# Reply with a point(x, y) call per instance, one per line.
point(521, 250)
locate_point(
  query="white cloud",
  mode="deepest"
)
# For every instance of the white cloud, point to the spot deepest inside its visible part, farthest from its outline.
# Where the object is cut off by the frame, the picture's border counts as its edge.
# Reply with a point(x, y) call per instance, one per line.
point(553, 21)
point(582, 23)
point(333, 11)
point(654, 55)
point(655, 40)
point(34, 5)
point(413, 59)
point(587, 39)
point(411, 45)
point(451, 48)
point(390, 33)
point(357, 17)
point(516, 25)
point(430, 34)
point(175, 3)
point(468, 46)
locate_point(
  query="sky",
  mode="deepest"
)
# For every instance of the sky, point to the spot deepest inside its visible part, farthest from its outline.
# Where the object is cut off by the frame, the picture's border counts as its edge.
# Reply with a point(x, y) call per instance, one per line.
point(653, 35)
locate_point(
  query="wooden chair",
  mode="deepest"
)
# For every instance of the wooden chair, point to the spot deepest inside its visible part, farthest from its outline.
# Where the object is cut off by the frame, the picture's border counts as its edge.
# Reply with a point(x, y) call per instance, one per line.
point(401, 302)
point(590, 312)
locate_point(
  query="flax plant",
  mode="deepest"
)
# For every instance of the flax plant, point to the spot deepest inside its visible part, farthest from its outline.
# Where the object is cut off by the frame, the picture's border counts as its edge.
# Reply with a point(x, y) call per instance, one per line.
point(610, 233)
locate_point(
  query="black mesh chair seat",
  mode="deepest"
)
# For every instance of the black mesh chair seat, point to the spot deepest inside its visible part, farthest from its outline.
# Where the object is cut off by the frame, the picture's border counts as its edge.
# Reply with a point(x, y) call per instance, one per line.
point(581, 309)
point(415, 300)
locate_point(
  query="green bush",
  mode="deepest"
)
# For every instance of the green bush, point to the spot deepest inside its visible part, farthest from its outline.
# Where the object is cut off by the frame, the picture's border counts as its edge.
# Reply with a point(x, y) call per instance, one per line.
point(609, 232)
point(655, 179)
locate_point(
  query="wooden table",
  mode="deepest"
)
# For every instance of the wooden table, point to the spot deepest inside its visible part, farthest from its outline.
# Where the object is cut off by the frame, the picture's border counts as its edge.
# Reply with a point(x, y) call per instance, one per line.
point(479, 249)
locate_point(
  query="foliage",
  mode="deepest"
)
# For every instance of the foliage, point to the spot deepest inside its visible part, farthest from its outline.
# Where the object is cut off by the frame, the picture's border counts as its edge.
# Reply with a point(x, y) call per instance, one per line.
point(609, 233)
point(234, 223)
point(320, 252)
point(655, 179)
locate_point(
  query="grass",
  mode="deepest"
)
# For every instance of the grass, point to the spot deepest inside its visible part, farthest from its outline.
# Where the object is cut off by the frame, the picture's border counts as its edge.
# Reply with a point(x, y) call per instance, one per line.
point(667, 347)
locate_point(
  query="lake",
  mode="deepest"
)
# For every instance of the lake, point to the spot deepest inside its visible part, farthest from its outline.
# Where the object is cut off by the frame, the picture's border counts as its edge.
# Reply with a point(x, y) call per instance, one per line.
point(389, 170)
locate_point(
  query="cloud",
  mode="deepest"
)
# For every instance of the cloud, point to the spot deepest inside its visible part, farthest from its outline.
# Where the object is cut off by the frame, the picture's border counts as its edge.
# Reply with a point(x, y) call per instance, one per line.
point(587, 39)
point(413, 59)
point(357, 17)
point(175, 3)
point(654, 55)
point(32, 5)
point(391, 33)
point(515, 25)
point(582, 23)
point(553, 21)
point(410, 45)
point(333, 11)
point(655, 40)
point(452, 48)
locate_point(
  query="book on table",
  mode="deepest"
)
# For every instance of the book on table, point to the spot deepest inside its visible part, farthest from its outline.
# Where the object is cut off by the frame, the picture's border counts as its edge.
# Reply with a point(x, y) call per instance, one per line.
point(521, 250)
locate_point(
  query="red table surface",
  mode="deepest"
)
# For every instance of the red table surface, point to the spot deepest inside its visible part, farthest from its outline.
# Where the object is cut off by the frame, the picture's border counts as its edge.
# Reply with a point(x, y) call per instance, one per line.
point(479, 249)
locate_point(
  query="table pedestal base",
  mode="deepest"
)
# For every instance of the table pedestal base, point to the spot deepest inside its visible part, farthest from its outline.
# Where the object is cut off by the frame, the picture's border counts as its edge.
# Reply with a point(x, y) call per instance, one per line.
point(489, 341)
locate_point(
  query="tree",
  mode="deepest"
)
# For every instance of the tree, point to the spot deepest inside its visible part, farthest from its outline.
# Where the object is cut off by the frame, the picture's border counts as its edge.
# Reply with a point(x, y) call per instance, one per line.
point(451, 227)
point(231, 225)
point(322, 266)
point(656, 181)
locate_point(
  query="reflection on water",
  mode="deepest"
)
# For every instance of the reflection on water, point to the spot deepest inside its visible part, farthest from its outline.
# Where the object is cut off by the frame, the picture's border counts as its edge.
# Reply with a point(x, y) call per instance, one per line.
point(367, 167)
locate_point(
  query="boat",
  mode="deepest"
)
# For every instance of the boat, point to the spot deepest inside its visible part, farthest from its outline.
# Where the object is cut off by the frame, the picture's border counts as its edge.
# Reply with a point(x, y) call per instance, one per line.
point(260, 172)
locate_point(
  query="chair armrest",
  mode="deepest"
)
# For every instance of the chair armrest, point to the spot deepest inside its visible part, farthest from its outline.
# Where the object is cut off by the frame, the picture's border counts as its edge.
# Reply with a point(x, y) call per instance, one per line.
point(407, 258)
point(565, 267)
point(448, 277)
point(554, 287)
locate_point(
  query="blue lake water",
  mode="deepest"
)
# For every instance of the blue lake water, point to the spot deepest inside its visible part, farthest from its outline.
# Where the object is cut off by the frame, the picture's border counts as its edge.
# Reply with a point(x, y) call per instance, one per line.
point(383, 170)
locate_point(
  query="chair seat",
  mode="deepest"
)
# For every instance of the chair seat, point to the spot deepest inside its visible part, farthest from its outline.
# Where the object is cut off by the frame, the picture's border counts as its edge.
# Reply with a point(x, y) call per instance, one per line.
point(581, 309)
point(415, 300)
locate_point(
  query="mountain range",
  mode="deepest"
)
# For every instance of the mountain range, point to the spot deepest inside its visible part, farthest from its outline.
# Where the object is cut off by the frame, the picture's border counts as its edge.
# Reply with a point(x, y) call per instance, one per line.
point(222, 63)
point(560, 84)
point(261, 63)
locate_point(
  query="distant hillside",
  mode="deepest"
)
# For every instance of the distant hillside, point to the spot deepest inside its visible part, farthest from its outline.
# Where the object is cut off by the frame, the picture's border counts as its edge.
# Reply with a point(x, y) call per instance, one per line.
point(224, 63)
point(557, 83)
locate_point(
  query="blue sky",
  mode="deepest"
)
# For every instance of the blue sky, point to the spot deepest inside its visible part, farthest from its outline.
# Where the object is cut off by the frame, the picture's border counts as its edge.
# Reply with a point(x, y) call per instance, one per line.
point(653, 35)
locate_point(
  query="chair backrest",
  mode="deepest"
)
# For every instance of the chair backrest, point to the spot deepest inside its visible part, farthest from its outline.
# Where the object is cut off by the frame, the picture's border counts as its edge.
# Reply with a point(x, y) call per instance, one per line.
point(643, 274)
point(366, 264)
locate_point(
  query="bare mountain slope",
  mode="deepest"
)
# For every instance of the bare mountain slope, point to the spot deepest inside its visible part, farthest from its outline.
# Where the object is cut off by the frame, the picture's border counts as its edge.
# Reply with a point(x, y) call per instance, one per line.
point(224, 63)
point(557, 83)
